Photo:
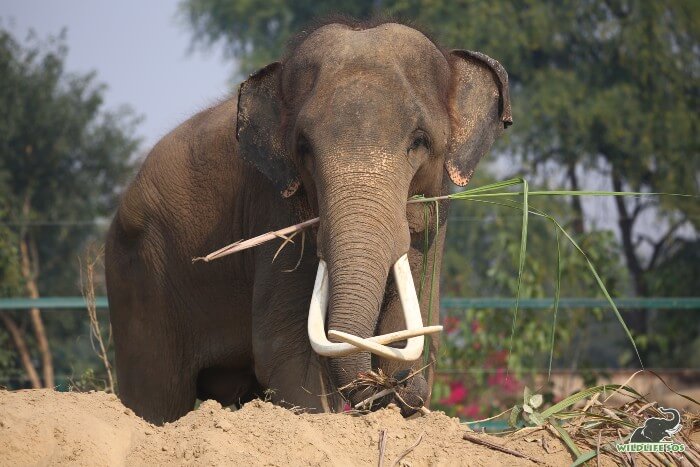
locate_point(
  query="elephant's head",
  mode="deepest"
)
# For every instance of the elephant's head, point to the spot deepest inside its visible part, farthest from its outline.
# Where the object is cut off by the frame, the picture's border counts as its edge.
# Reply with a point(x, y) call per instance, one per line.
point(655, 429)
point(358, 119)
point(670, 426)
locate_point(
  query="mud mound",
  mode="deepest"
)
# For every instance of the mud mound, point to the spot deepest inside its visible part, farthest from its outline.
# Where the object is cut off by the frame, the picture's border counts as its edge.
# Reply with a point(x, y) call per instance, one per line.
point(42, 427)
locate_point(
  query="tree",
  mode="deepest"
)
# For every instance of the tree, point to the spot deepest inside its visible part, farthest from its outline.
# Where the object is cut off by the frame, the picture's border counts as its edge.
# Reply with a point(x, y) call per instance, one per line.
point(62, 161)
point(254, 33)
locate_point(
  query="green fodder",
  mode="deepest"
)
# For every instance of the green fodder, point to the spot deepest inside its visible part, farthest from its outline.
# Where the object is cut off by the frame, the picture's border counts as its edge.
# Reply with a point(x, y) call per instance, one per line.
point(499, 194)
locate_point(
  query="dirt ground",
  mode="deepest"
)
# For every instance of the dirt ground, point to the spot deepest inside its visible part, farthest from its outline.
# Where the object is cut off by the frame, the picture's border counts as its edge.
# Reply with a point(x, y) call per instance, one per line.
point(43, 427)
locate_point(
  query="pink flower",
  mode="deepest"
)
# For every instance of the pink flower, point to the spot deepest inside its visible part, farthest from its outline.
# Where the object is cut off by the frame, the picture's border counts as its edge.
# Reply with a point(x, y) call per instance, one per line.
point(451, 324)
point(470, 411)
point(457, 394)
point(497, 358)
point(476, 326)
point(506, 382)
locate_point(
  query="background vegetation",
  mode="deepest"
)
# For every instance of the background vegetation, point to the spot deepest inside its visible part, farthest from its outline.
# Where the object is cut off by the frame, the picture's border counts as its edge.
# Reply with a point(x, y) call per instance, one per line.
point(63, 161)
point(605, 95)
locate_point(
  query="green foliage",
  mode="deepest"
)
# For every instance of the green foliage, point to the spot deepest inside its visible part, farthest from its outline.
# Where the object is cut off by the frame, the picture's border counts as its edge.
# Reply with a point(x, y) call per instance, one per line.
point(87, 381)
point(482, 260)
point(676, 340)
point(255, 32)
point(10, 276)
point(63, 160)
point(67, 158)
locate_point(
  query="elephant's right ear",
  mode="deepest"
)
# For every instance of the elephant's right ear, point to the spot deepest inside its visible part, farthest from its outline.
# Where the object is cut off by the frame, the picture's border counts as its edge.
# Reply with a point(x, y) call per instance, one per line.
point(259, 129)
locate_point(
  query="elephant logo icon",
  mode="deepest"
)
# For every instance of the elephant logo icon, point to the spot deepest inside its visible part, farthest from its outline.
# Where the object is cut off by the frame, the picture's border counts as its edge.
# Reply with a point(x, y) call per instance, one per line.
point(655, 429)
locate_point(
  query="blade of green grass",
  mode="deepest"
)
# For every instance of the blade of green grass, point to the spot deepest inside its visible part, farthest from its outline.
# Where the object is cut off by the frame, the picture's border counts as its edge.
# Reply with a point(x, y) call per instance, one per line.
point(594, 418)
point(581, 395)
point(433, 279)
point(521, 261)
point(426, 246)
point(567, 440)
point(604, 193)
point(481, 189)
point(481, 192)
point(586, 456)
point(557, 292)
point(603, 289)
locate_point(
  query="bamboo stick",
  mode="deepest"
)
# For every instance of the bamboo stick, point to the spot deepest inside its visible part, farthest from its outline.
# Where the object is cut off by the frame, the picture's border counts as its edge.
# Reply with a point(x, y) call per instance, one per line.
point(255, 241)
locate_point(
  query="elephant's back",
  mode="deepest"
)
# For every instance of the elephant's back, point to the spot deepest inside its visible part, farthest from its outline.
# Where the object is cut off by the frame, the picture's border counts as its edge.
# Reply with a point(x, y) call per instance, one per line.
point(186, 199)
point(189, 177)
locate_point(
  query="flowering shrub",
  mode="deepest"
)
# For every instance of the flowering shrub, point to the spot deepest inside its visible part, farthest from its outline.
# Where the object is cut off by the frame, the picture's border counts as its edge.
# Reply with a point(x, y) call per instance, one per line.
point(472, 381)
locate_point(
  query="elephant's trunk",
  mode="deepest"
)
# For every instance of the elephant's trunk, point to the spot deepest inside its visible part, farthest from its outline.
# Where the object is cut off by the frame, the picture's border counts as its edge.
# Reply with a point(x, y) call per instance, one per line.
point(363, 233)
point(674, 420)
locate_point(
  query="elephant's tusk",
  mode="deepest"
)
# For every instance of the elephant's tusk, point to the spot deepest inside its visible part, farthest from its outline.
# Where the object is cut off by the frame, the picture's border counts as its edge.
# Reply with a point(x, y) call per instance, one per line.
point(353, 344)
point(375, 348)
point(392, 336)
point(411, 307)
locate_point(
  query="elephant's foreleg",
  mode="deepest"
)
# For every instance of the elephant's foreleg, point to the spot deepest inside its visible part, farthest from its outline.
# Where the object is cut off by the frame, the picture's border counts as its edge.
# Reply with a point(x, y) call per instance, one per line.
point(285, 363)
point(154, 379)
point(297, 381)
point(155, 393)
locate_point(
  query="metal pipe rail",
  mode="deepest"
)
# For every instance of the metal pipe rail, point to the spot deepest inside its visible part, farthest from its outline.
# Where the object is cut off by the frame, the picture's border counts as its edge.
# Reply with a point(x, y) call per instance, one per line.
point(667, 303)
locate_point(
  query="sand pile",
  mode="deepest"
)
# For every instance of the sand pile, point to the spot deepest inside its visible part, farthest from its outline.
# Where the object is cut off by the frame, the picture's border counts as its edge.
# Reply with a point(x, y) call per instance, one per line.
point(42, 427)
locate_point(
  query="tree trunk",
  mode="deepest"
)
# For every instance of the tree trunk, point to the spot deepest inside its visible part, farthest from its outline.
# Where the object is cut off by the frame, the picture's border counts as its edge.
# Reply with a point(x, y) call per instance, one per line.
point(30, 274)
point(637, 320)
point(577, 224)
point(22, 350)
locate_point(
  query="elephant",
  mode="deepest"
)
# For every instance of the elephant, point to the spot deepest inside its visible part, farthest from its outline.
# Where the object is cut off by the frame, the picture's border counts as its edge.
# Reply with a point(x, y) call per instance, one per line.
point(656, 429)
point(352, 122)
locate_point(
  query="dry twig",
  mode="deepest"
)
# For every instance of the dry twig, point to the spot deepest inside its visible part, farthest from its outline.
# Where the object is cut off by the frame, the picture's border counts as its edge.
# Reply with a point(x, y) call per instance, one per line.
point(382, 447)
point(373, 398)
point(88, 286)
point(255, 241)
point(496, 447)
point(408, 450)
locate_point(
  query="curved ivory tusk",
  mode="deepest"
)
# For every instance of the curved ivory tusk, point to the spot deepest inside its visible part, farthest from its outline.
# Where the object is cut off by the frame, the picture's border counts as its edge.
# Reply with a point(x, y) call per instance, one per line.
point(393, 336)
point(371, 345)
point(353, 344)
point(411, 307)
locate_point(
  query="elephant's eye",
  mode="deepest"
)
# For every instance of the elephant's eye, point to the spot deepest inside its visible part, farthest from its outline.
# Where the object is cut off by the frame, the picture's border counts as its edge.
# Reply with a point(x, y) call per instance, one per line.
point(303, 146)
point(304, 152)
point(420, 140)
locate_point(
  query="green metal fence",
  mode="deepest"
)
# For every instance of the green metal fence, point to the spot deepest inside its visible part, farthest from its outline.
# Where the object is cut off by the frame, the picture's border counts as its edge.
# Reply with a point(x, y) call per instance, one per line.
point(684, 303)
point(657, 303)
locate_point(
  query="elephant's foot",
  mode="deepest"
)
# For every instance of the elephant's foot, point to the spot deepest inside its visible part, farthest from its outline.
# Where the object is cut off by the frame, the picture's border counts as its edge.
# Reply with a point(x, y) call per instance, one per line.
point(374, 391)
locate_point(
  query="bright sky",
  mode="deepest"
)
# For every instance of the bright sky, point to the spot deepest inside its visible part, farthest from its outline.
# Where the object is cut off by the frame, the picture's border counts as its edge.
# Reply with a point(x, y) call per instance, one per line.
point(140, 49)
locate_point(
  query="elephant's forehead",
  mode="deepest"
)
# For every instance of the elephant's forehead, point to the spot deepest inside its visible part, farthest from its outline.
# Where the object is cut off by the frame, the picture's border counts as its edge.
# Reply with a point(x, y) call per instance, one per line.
point(345, 38)
point(336, 45)
point(387, 50)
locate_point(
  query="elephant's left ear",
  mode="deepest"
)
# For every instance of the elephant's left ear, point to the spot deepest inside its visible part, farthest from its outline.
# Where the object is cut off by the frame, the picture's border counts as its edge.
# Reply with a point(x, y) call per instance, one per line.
point(480, 110)
point(259, 129)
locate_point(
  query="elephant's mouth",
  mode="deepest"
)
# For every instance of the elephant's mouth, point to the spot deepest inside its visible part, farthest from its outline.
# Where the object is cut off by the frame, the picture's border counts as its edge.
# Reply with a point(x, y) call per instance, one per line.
point(377, 345)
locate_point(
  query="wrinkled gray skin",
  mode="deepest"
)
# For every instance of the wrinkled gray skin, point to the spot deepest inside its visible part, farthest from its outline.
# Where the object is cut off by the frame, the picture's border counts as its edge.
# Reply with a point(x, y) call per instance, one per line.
point(348, 127)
